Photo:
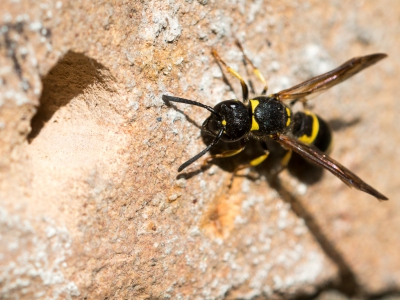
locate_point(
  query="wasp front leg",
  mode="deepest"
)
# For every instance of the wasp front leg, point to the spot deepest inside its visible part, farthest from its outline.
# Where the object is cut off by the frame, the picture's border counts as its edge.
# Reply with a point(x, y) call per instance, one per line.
point(245, 89)
point(227, 153)
point(256, 71)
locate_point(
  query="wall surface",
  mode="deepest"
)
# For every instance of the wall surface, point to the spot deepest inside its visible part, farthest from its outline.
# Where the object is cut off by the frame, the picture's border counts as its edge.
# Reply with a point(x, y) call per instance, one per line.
point(91, 203)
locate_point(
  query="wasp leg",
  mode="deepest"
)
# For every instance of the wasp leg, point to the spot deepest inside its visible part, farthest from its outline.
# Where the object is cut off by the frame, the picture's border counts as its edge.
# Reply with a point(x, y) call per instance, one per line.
point(245, 89)
point(227, 153)
point(255, 162)
point(252, 163)
point(284, 162)
point(256, 71)
point(303, 101)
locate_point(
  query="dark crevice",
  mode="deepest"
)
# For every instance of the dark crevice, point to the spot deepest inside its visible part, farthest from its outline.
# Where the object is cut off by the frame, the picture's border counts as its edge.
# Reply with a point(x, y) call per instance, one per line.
point(66, 80)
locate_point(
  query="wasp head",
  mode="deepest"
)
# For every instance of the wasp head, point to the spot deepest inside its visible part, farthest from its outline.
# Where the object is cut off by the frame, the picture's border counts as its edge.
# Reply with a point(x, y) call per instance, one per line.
point(232, 117)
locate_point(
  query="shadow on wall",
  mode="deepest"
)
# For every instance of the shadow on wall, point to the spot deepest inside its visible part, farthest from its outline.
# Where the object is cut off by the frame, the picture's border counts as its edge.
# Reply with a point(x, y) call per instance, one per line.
point(66, 80)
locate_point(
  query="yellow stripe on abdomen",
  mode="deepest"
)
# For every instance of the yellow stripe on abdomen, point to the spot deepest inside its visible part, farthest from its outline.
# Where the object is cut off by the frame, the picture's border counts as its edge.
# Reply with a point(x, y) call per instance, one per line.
point(314, 130)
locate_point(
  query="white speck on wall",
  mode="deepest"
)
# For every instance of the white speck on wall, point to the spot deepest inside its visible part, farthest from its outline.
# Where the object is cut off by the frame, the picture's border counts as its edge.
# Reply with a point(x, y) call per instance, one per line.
point(212, 170)
point(317, 60)
point(274, 66)
point(151, 100)
point(174, 196)
point(130, 57)
point(168, 250)
point(216, 71)
point(300, 228)
point(255, 8)
point(205, 82)
point(273, 194)
point(7, 18)
point(181, 182)
point(226, 256)
point(23, 50)
point(178, 61)
point(72, 289)
point(240, 220)
point(35, 26)
point(215, 283)
point(278, 283)
point(258, 280)
point(311, 269)
point(246, 186)
point(203, 266)
point(250, 202)
point(221, 25)
point(195, 231)
point(203, 184)
point(282, 222)
point(22, 18)
point(50, 231)
point(301, 189)
point(174, 29)
point(279, 83)
point(19, 98)
point(133, 104)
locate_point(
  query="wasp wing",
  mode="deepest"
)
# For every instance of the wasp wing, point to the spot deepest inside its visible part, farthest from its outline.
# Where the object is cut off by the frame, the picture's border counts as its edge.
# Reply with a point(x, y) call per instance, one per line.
point(323, 160)
point(329, 79)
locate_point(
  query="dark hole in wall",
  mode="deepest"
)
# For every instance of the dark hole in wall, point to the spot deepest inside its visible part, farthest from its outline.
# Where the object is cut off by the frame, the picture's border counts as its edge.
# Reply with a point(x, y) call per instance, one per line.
point(66, 80)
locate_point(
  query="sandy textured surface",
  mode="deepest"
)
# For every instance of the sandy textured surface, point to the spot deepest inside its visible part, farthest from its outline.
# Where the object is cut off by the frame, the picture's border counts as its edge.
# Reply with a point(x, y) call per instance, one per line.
point(92, 205)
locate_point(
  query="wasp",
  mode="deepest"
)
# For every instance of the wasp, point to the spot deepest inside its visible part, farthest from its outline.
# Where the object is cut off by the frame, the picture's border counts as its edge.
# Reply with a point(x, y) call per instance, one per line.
point(267, 117)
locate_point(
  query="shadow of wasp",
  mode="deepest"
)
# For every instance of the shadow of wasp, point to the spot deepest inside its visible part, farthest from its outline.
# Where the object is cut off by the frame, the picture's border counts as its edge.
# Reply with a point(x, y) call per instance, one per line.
point(267, 117)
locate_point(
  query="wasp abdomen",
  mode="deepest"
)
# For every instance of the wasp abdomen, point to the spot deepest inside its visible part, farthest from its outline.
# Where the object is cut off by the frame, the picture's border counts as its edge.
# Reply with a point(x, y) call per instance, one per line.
point(312, 130)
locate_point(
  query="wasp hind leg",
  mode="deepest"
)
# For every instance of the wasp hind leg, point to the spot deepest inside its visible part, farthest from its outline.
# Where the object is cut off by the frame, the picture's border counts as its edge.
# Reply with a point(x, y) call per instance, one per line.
point(256, 71)
point(283, 163)
point(253, 163)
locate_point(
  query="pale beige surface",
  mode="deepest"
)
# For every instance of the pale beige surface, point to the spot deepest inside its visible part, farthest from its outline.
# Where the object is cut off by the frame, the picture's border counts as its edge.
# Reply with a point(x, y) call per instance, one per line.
point(91, 205)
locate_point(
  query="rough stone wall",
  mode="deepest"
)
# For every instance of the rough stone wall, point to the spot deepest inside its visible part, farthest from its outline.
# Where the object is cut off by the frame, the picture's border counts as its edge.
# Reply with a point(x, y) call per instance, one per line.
point(91, 204)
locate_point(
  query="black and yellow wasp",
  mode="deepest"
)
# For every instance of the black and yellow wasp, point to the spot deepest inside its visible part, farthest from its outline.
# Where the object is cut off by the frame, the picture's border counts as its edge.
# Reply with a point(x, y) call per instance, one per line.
point(267, 117)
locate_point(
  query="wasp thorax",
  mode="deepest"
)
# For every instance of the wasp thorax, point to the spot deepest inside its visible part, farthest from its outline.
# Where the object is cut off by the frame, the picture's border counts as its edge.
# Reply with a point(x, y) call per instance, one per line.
point(270, 115)
point(233, 116)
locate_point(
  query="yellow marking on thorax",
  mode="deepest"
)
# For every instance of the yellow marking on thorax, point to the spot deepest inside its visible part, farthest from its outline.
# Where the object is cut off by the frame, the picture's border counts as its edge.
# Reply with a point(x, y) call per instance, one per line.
point(254, 124)
point(314, 130)
point(289, 117)
point(223, 122)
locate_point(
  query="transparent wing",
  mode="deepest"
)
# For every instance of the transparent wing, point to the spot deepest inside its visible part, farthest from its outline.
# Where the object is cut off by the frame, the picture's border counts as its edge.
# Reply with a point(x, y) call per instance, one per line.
point(323, 160)
point(329, 79)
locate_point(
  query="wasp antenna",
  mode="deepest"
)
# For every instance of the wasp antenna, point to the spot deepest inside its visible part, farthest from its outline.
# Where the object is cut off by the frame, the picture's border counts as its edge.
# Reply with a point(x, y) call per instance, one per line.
point(194, 158)
point(191, 102)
